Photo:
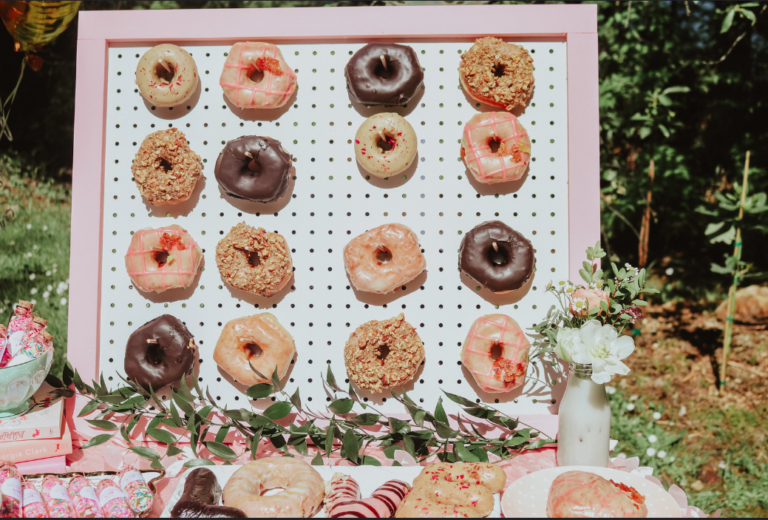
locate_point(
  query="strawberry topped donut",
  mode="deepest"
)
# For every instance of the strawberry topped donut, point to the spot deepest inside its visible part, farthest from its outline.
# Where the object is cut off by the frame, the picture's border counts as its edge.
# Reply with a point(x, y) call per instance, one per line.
point(385, 144)
point(495, 147)
point(166, 75)
point(255, 75)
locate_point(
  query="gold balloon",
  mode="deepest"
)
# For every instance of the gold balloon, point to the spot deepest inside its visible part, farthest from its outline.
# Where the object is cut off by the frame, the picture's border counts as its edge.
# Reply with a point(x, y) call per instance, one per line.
point(34, 24)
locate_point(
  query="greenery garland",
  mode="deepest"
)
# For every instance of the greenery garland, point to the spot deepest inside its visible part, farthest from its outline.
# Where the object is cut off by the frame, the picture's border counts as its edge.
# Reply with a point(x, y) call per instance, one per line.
point(422, 435)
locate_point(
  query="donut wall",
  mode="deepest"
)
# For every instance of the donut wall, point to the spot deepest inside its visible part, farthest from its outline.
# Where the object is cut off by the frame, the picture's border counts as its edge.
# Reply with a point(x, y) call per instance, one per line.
point(331, 200)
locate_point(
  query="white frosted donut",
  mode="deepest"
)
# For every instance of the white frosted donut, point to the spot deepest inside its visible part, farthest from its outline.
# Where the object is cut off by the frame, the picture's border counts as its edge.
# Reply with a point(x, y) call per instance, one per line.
point(163, 258)
point(385, 144)
point(166, 75)
point(509, 161)
point(384, 258)
point(271, 91)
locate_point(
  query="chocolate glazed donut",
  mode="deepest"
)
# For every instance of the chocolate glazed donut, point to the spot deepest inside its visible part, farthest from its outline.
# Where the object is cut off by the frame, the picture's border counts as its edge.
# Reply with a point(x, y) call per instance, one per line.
point(384, 74)
point(254, 168)
point(497, 257)
point(159, 353)
point(201, 496)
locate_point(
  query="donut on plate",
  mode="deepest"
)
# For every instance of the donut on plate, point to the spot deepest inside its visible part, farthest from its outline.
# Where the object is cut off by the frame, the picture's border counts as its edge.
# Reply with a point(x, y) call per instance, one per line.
point(497, 73)
point(385, 145)
point(343, 500)
point(272, 89)
point(495, 147)
point(254, 168)
point(254, 260)
point(303, 489)
point(254, 342)
point(163, 258)
point(383, 354)
point(384, 74)
point(507, 371)
point(159, 353)
point(497, 257)
point(582, 494)
point(166, 75)
point(384, 258)
point(165, 169)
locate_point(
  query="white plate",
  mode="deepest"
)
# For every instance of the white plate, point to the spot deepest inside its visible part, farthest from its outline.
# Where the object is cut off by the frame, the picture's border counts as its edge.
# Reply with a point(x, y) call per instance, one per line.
point(368, 477)
point(527, 496)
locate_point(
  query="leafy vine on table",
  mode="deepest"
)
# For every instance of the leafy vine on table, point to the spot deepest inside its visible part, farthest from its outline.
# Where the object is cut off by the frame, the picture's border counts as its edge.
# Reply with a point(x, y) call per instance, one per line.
point(347, 433)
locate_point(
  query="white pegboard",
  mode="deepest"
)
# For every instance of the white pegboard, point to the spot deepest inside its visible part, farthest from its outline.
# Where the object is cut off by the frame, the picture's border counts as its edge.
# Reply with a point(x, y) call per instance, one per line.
point(330, 202)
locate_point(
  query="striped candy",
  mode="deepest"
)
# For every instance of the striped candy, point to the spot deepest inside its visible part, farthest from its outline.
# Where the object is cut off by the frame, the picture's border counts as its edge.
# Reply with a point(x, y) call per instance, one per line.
point(343, 498)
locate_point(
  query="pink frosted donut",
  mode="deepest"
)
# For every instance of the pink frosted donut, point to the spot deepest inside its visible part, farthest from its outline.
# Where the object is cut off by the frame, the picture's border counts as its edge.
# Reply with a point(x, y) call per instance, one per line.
point(505, 373)
point(163, 258)
point(342, 498)
point(511, 158)
point(275, 87)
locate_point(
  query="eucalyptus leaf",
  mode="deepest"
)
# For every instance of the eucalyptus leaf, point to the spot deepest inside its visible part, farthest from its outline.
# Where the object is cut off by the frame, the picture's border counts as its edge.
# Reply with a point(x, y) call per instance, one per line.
point(104, 425)
point(222, 451)
point(95, 441)
point(143, 451)
point(259, 391)
point(162, 436)
point(196, 463)
point(278, 410)
point(341, 406)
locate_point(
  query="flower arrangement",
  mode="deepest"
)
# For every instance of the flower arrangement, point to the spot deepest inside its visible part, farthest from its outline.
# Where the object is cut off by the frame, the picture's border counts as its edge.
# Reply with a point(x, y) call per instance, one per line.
point(587, 326)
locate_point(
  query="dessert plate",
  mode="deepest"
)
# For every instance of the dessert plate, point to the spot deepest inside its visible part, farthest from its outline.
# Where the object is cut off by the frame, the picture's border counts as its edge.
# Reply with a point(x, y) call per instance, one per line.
point(527, 496)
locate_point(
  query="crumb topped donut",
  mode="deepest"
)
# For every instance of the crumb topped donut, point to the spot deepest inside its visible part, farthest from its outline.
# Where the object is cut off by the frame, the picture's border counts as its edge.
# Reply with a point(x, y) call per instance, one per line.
point(166, 75)
point(254, 260)
point(383, 354)
point(385, 144)
point(497, 73)
point(165, 169)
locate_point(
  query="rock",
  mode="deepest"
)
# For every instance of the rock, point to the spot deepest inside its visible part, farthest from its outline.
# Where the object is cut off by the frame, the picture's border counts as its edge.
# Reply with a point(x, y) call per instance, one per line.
point(751, 306)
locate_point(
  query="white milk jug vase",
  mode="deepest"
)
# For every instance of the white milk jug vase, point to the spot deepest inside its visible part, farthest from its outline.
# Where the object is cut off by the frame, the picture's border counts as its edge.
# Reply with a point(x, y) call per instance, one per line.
point(584, 422)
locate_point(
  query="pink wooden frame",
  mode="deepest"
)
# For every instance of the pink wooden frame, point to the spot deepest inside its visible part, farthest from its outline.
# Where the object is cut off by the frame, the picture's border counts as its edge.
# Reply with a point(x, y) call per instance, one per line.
point(574, 24)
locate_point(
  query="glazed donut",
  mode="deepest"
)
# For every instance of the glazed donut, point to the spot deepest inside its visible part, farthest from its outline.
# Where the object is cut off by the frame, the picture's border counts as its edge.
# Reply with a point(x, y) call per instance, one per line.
point(163, 258)
point(244, 59)
point(166, 75)
point(165, 169)
point(385, 145)
point(384, 74)
point(200, 498)
point(159, 353)
point(383, 259)
point(254, 260)
point(342, 498)
point(303, 488)
point(583, 494)
point(506, 372)
point(254, 168)
point(448, 490)
point(497, 73)
point(375, 368)
point(254, 342)
point(513, 155)
point(497, 257)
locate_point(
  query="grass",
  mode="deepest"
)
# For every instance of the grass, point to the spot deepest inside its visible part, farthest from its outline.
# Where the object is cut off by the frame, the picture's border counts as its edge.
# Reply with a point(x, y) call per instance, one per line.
point(34, 248)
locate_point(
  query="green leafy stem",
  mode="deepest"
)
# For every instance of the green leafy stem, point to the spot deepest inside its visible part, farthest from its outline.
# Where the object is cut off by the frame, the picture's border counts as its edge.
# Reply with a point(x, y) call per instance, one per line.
point(349, 434)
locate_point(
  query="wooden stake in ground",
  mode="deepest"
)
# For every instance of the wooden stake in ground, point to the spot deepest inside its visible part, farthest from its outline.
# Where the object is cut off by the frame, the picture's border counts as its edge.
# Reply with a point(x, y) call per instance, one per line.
point(645, 228)
point(735, 284)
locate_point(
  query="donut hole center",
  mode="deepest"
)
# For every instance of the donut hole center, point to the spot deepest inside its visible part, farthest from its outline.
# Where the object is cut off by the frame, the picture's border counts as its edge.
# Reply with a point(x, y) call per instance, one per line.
point(253, 259)
point(494, 144)
point(383, 255)
point(384, 72)
point(155, 353)
point(497, 258)
point(161, 257)
point(386, 143)
point(254, 350)
point(272, 491)
point(253, 166)
point(496, 351)
point(499, 70)
point(165, 165)
point(256, 75)
point(383, 352)
point(164, 74)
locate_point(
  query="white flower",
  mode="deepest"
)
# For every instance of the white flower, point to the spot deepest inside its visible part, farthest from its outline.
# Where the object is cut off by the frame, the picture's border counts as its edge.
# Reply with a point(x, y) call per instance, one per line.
point(672, 459)
point(652, 439)
point(621, 455)
point(33, 290)
point(603, 349)
point(46, 294)
point(722, 464)
point(662, 454)
point(630, 406)
point(29, 255)
point(633, 397)
point(656, 416)
point(610, 389)
point(32, 276)
point(29, 226)
point(33, 302)
point(63, 301)
point(47, 273)
point(34, 246)
point(45, 228)
point(568, 343)
point(682, 411)
point(650, 452)
point(49, 288)
point(670, 271)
